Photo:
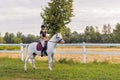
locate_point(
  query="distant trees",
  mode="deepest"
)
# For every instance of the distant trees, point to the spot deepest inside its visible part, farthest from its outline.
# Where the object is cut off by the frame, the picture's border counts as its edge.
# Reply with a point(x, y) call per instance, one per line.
point(1, 39)
point(116, 33)
point(107, 35)
point(91, 35)
point(9, 37)
point(18, 38)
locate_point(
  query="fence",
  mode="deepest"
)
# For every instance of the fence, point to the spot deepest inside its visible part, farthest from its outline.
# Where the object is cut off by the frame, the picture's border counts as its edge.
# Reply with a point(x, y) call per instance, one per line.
point(21, 51)
point(83, 52)
point(84, 46)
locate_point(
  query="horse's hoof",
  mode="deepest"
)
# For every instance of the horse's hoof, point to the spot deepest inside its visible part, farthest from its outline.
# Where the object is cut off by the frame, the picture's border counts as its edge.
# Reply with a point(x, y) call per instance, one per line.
point(34, 68)
point(25, 71)
point(50, 68)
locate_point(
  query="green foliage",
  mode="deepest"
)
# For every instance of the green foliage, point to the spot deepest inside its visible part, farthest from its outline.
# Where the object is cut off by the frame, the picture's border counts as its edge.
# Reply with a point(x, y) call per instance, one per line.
point(12, 69)
point(103, 62)
point(31, 38)
point(107, 35)
point(19, 38)
point(90, 35)
point(66, 34)
point(116, 33)
point(2, 40)
point(57, 15)
point(66, 61)
point(9, 38)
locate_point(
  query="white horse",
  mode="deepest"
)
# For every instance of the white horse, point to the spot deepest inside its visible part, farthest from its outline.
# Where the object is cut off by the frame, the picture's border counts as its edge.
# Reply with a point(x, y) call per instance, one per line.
point(57, 38)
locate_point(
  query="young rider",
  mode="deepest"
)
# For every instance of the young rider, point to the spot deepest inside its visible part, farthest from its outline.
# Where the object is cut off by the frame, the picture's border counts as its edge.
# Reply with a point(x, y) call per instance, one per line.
point(43, 40)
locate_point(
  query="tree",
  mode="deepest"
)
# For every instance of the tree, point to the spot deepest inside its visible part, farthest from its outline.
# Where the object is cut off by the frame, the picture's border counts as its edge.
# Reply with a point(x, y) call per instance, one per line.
point(116, 33)
point(19, 35)
point(1, 39)
point(87, 34)
point(66, 35)
point(91, 35)
point(17, 40)
point(74, 37)
point(31, 38)
point(107, 35)
point(57, 15)
point(9, 37)
point(105, 29)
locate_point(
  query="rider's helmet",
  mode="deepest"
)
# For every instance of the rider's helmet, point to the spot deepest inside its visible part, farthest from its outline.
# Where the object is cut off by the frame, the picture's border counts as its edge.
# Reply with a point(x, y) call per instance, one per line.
point(42, 26)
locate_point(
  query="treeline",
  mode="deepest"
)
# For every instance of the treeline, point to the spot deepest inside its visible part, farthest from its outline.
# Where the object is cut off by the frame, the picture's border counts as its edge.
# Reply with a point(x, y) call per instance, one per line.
point(91, 35)
point(18, 38)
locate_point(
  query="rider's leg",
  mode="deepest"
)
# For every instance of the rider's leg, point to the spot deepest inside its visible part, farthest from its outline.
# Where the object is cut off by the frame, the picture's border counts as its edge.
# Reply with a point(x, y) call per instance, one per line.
point(45, 47)
point(42, 49)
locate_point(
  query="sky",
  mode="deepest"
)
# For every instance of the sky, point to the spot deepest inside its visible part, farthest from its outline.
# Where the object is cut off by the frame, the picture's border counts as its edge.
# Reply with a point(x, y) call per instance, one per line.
point(24, 15)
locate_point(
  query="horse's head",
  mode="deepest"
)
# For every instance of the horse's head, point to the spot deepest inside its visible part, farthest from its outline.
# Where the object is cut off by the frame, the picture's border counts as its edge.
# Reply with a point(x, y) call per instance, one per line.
point(59, 38)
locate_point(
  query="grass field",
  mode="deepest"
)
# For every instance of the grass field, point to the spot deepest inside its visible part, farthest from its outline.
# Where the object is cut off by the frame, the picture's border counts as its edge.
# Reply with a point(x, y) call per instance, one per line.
point(78, 57)
point(12, 69)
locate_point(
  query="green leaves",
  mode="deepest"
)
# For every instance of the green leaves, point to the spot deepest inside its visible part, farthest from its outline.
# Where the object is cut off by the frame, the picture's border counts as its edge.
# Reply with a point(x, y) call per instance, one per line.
point(57, 15)
point(116, 33)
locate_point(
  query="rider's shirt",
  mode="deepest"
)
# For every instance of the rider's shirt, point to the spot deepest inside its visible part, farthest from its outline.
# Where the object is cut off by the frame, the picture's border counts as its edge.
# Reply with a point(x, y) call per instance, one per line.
point(43, 33)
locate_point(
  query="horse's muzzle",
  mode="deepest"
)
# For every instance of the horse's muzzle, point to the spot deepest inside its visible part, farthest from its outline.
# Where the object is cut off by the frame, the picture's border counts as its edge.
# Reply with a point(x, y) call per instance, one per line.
point(61, 41)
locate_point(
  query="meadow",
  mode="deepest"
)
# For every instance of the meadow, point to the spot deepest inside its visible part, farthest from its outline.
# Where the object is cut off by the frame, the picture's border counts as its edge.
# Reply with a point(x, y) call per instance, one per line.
point(67, 66)
point(77, 57)
point(12, 69)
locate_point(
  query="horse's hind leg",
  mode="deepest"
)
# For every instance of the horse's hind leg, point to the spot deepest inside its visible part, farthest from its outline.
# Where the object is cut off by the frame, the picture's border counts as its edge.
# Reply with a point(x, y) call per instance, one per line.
point(33, 61)
point(26, 60)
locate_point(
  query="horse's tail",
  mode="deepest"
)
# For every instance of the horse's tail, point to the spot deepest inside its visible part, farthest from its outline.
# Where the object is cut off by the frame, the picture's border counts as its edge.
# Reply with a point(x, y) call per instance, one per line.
point(26, 53)
point(26, 49)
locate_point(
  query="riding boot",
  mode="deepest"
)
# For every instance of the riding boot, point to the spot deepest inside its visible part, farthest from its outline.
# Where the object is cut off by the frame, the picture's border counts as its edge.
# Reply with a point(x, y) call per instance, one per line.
point(45, 53)
point(42, 52)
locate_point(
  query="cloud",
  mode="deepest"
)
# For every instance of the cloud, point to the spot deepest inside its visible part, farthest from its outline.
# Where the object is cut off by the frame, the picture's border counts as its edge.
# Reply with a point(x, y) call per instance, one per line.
point(95, 13)
point(18, 12)
point(24, 15)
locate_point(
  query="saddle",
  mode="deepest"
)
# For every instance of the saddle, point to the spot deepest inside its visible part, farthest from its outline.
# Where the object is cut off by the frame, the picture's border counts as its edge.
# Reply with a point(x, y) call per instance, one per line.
point(39, 46)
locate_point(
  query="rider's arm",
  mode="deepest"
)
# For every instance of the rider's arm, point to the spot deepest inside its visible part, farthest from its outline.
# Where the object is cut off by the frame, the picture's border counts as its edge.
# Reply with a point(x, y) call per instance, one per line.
point(41, 36)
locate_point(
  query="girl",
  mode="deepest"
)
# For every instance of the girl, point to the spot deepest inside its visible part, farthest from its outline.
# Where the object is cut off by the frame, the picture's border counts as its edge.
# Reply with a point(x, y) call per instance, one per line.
point(43, 40)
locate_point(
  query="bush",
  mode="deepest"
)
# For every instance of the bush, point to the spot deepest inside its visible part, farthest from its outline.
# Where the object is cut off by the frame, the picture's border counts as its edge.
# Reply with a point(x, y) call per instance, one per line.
point(103, 62)
point(66, 61)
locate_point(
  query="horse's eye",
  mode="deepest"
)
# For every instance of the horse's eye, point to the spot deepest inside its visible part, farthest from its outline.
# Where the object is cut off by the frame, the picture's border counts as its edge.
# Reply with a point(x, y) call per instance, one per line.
point(58, 37)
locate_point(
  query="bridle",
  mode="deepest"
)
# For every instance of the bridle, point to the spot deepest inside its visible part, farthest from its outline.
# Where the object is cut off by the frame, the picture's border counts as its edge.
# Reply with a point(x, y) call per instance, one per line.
point(56, 41)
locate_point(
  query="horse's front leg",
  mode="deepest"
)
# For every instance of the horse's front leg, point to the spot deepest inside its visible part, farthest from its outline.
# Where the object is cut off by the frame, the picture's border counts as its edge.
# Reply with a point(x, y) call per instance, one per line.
point(50, 62)
point(26, 60)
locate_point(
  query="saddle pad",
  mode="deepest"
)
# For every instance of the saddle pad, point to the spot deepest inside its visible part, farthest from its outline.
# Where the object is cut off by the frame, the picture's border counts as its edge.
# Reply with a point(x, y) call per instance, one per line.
point(38, 47)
